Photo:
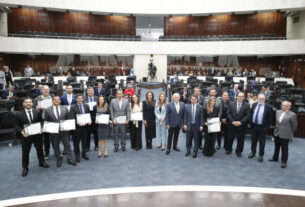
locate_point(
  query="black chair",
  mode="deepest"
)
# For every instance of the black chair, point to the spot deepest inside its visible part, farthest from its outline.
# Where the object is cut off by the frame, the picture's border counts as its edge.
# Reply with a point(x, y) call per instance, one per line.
point(7, 125)
point(228, 78)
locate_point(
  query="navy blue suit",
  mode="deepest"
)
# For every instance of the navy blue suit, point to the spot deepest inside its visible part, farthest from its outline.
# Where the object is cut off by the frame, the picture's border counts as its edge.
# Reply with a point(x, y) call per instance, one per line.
point(259, 131)
point(64, 99)
point(193, 129)
point(173, 81)
point(233, 93)
point(6, 93)
point(102, 92)
point(174, 120)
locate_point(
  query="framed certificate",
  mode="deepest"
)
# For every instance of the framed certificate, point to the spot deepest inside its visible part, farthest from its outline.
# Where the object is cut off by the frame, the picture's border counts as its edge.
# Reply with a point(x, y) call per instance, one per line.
point(32, 129)
point(44, 104)
point(213, 125)
point(83, 118)
point(91, 105)
point(67, 125)
point(102, 119)
point(136, 116)
point(120, 119)
point(50, 127)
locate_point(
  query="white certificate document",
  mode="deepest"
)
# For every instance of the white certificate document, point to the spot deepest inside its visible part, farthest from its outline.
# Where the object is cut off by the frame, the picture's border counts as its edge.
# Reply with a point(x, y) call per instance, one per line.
point(83, 118)
point(213, 125)
point(32, 129)
point(136, 116)
point(120, 119)
point(91, 105)
point(50, 127)
point(44, 104)
point(102, 119)
point(67, 125)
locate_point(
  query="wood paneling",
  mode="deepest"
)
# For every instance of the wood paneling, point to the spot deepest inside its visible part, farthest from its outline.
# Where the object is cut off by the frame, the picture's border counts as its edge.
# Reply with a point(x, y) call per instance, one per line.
point(260, 23)
point(67, 22)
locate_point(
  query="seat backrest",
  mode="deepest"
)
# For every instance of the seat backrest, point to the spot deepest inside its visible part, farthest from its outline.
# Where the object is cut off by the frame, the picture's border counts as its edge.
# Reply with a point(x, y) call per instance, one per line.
point(7, 119)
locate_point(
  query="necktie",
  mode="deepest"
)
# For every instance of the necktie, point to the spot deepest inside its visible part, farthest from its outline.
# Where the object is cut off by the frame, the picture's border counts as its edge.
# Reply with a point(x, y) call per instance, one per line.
point(238, 106)
point(177, 108)
point(90, 99)
point(57, 112)
point(30, 115)
point(81, 109)
point(193, 115)
point(256, 115)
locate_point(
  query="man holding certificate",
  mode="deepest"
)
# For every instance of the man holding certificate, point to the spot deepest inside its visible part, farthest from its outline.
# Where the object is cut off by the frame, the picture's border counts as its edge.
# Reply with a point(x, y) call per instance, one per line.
point(55, 114)
point(41, 103)
point(193, 125)
point(120, 115)
point(28, 123)
point(91, 100)
point(81, 113)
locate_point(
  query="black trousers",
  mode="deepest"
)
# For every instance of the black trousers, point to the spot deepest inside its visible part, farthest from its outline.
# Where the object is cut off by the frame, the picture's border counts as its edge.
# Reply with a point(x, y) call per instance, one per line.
point(92, 130)
point(136, 135)
point(191, 133)
point(46, 143)
point(200, 139)
point(283, 144)
point(26, 144)
point(81, 134)
point(224, 132)
point(239, 133)
point(258, 134)
point(9, 81)
point(173, 132)
point(209, 144)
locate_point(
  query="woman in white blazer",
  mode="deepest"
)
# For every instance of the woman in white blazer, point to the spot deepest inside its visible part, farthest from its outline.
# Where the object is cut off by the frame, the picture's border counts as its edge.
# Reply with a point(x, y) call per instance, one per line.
point(160, 112)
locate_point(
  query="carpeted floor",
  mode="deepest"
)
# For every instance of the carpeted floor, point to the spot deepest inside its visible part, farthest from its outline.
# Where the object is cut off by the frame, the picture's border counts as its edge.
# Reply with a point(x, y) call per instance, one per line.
point(149, 168)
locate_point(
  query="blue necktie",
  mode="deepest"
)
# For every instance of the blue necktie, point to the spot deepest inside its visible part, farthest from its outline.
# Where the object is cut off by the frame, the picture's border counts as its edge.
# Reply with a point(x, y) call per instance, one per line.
point(81, 109)
point(57, 112)
point(257, 113)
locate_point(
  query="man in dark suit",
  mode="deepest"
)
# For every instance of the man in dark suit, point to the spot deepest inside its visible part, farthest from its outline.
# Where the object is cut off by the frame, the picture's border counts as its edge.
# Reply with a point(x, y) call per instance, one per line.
point(200, 98)
point(99, 90)
point(9, 94)
point(91, 99)
point(69, 98)
point(174, 80)
point(81, 132)
point(56, 113)
point(193, 125)
point(173, 119)
point(261, 117)
point(286, 124)
point(28, 115)
point(224, 123)
point(238, 114)
point(233, 92)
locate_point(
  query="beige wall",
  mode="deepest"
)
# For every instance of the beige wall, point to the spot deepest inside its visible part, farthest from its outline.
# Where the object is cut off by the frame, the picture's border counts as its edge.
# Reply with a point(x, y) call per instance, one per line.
point(3, 24)
point(297, 30)
point(140, 65)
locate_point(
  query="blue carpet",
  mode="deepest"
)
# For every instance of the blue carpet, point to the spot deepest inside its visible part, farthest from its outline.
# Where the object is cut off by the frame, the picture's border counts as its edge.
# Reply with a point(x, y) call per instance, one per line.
point(148, 168)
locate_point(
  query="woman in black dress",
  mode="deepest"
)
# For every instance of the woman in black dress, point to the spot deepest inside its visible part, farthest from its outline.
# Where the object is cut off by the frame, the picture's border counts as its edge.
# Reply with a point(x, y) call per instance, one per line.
point(135, 126)
point(149, 118)
point(210, 112)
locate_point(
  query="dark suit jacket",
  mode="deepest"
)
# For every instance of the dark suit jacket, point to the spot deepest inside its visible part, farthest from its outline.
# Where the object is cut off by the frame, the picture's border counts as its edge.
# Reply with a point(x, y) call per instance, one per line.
point(86, 99)
point(198, 117)
point(102, 92)
point(75, 110)
point(232, 93)
point(200, 100)
point(173, 81)
point(22, 119)
point(243, 115)
point(267, 116)
point(64, 99)
point(6, 93)
point(172, 118)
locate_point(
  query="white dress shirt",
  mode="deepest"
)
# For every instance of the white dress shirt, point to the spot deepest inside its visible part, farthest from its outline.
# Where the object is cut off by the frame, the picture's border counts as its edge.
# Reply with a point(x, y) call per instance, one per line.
point(27, 114)
point(282, 116)
point(55, 113)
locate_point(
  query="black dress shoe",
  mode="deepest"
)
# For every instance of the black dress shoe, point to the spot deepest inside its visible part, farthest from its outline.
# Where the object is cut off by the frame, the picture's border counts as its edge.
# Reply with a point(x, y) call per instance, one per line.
point(283, 165)
point(217, 147)
point(187, 153)
point(46, 157)
point(99, 156)
point(177, 149)
point(85, 157)
point(251, 155)
point(273, 160)
point(260, 158)
point(194, 154)
point(44, 165)
point(105, 155)
point(124, 149)
point(228, 152)
point(24, 172)
point(167, 152)
point(77, 159)
point(59, 163)
point(238, 154)
point(71, 162)
point(116, 149)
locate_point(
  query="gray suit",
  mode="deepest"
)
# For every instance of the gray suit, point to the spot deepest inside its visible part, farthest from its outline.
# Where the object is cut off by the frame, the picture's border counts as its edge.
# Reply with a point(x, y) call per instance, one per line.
point(62, 135)
point(287, 127)
point(116, 111)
